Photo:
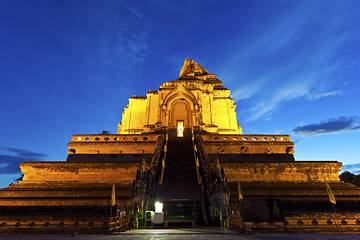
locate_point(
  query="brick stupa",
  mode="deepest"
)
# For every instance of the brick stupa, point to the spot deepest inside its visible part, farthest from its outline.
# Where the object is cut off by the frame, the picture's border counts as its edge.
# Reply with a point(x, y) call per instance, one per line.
point(181, 145)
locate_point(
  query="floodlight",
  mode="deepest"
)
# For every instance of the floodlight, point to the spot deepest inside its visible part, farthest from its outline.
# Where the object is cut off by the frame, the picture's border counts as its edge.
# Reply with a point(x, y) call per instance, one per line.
point(158, 207)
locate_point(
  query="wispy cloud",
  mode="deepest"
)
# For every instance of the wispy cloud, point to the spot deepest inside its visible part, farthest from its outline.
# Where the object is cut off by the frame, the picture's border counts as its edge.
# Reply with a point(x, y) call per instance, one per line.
point(266, 106)
point(247, 91)
point(335, 125)
point(293, 60)
point(25, 153)
point(125, 47)
point(315, 96)
point(9, 164)
point(354, 168)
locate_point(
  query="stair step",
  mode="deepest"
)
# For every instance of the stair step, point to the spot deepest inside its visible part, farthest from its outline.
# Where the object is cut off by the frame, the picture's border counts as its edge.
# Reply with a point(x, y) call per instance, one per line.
point(180, 163)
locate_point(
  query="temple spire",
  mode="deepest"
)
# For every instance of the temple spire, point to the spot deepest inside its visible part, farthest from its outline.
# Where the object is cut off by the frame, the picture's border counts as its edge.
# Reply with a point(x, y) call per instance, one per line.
point(191, 68)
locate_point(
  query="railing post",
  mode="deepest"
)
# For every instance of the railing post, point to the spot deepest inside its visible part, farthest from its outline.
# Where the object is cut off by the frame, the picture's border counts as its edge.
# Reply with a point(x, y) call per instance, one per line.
point(195, 156)
point(163, 159)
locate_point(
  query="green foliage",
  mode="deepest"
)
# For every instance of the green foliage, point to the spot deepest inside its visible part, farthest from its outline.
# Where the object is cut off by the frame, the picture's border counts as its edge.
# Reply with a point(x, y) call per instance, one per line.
point(105, 132)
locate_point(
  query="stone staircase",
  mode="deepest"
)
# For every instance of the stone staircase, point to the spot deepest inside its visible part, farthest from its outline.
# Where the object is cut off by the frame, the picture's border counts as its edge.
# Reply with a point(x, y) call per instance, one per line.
point(180, 190)
point(180, 166)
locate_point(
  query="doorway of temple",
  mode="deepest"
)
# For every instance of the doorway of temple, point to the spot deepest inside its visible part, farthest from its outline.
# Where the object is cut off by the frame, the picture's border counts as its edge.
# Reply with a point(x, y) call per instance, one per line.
point(180, 122)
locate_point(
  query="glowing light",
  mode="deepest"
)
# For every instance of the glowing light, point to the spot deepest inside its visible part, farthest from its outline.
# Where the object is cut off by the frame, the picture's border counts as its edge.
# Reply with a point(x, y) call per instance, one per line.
point(158, 207)
point(79, 138)
point(180, 128)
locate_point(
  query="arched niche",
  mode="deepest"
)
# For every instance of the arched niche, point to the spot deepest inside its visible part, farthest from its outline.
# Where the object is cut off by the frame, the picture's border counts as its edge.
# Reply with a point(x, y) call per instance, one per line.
point(180, 114)
point(180, 111)
point(184, 99)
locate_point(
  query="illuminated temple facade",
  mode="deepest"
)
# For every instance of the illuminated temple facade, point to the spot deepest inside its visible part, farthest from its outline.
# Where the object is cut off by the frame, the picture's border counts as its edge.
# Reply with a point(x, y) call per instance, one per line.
point(182, 145)
point(197, 99)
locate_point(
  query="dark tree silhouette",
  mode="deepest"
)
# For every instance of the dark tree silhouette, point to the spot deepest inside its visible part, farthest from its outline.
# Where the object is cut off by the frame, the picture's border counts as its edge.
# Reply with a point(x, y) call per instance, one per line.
point(350, 178)
point(346, 176)
point(356, 180)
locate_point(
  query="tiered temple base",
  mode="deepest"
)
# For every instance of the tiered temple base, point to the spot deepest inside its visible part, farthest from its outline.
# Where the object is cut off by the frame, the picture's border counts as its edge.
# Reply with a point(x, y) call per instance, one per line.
point(279, 193)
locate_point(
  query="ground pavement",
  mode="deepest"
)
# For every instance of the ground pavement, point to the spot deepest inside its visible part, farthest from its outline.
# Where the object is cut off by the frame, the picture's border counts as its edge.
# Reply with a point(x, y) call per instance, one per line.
point(182, 234)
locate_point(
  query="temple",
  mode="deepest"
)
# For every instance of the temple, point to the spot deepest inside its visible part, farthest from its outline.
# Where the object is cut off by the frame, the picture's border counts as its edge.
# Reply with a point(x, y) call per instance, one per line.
point(182, 146)
point(197, 99)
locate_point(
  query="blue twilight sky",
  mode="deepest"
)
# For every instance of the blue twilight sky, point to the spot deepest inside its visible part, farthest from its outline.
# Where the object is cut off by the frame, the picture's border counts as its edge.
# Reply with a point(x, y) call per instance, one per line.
point(69, 67)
